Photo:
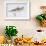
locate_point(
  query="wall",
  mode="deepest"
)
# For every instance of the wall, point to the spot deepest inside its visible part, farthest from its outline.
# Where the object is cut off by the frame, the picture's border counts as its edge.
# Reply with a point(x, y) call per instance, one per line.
point(24, 27)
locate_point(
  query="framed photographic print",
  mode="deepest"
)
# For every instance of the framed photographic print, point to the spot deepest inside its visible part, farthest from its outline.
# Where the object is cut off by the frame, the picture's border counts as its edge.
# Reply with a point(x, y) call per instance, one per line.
point(17, 11)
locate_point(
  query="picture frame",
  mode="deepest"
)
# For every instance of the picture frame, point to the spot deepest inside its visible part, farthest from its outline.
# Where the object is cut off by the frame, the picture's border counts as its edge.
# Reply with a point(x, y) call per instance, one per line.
point(17, 10)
